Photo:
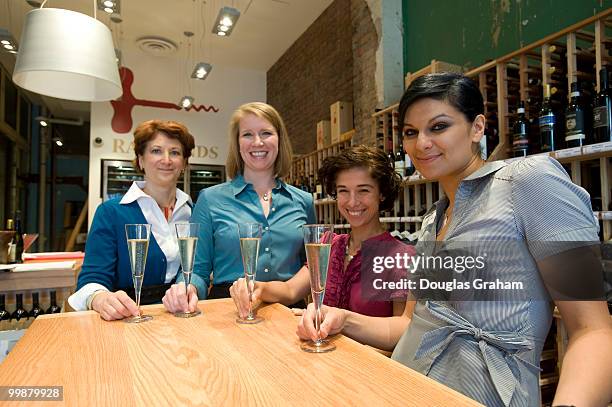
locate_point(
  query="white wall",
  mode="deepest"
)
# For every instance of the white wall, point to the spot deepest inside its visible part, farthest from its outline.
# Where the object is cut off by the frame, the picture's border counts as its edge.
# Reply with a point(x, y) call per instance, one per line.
point(157, 78)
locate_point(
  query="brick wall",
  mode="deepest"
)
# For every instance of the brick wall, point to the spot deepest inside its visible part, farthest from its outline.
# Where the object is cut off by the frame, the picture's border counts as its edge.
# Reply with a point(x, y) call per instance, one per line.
point(333, 60)
point(364, 43)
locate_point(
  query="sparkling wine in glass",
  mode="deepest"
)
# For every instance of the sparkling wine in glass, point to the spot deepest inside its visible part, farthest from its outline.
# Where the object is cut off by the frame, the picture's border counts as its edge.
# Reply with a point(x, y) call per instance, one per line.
point(187, 235)
point(317, 242)
point(250, 236)
point(138, 245)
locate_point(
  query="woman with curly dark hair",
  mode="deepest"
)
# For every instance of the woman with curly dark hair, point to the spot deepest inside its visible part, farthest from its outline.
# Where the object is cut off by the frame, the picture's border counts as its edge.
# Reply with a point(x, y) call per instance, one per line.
point(363, 182)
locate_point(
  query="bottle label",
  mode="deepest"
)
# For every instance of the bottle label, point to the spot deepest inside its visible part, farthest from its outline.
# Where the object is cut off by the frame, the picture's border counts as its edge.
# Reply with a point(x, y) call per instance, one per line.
point(574, 126)
point(547, 120)
point(600, 116)
point(520, 140)
point(12, 250)
point(576, 136)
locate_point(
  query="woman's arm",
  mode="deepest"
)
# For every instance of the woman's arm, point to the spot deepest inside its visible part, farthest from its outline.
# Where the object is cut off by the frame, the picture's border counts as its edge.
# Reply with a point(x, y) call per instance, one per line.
point(284, 292)
point(587, 365)
point(202, 266)
point(379, 332)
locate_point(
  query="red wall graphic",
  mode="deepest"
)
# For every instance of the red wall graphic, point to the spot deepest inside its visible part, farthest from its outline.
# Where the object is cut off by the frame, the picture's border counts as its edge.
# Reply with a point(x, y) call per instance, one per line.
point(122, 107)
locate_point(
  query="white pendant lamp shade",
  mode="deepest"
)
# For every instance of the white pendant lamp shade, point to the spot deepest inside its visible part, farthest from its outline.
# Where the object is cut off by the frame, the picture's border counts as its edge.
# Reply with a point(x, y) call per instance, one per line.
point(67, 55)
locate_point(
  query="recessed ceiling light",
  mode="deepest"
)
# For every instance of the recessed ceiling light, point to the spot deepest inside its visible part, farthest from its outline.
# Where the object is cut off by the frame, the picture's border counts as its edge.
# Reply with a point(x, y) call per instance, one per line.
point(8, 46)
point(221, 34)
point(108, 10)
point(109, 3)
point(227, 21)
point(5, 42)
point(223, 28)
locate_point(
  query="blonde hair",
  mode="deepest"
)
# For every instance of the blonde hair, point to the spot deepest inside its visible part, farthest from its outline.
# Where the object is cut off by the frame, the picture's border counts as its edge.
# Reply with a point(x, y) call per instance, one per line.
point(235, 164)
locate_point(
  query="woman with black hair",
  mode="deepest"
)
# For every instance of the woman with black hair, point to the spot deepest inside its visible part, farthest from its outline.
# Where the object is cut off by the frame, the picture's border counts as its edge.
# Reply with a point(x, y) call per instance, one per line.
point(490, 350)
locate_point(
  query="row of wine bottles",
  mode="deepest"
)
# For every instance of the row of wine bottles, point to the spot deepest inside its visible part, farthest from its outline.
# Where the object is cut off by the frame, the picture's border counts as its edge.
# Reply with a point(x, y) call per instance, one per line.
point(586, 122)
point(21, 314)
point(15, 247)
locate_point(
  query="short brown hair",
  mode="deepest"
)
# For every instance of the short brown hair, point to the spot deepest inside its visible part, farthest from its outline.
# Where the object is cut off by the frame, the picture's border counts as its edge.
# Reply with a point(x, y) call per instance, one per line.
point(235, 164)
point(171, 129)
point(374, 160)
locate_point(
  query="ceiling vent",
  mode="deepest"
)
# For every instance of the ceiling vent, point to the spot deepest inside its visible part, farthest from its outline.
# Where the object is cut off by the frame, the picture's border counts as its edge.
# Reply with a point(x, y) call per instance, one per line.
point(157, 46)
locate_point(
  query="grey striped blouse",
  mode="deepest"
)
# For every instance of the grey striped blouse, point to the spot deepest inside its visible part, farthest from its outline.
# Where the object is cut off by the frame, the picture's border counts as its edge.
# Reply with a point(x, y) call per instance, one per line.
point(490, 351)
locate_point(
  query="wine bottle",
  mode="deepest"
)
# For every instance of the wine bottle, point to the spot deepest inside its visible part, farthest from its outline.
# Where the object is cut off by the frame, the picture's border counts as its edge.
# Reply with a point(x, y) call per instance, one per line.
point(409, 166)
point(546, 121)
point(5, 316)
point(520, 138)
point(574, 120)
point(53, 308)
point(602, 111)
point(18, 238)
point(10, 225)
point(400, 165)
point(20, 312)
point(36, 310)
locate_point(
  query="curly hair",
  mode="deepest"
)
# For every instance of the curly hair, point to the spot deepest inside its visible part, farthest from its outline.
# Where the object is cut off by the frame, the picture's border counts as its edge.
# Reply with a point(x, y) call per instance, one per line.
point(370, 158)
point(146, 131)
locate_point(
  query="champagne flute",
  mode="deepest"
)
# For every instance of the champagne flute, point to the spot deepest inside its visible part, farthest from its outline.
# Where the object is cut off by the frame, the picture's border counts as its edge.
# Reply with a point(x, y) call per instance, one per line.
point(137, 236)
point(317, 241)
point(187, 235)
point(250, 236)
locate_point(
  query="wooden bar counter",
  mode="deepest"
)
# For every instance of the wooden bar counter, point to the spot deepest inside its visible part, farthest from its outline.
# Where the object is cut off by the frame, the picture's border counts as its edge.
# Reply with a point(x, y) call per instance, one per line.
point(209, 360)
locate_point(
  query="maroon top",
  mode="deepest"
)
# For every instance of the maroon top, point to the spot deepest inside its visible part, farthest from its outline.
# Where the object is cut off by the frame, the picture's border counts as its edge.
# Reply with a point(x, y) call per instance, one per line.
point(343, 287)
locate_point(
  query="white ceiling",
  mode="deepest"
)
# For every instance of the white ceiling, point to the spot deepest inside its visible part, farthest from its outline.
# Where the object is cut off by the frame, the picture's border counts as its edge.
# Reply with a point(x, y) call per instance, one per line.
point(264, 31)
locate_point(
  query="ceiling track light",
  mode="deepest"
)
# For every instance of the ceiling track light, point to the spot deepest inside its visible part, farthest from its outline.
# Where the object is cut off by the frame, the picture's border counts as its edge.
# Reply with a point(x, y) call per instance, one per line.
point(201, 71)
point(226, 21)
point(8, 43)
point(34, 3)
point(112, 7)
point(186, 102)
point(45, 121)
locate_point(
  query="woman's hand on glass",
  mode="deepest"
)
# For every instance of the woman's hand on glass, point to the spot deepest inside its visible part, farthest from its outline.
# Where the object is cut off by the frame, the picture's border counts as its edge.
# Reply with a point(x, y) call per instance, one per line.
point(240, 295)
point(332, 321)
point(176, 300)
point(112, 306)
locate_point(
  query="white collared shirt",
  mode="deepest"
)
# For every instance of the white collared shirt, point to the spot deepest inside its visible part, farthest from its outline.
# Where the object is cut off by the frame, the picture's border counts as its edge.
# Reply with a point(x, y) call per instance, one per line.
point(162, 230)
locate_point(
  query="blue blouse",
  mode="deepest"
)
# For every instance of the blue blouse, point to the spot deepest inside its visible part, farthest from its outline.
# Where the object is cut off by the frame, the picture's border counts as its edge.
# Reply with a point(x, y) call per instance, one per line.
point(220, 208)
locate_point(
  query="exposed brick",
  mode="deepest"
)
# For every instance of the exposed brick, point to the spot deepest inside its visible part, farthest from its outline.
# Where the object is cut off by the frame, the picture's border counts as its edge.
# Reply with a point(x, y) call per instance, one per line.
point(333, 60)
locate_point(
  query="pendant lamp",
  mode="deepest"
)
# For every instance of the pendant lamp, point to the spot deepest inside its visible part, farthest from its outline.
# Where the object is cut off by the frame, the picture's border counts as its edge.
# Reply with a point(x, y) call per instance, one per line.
point(67, 55)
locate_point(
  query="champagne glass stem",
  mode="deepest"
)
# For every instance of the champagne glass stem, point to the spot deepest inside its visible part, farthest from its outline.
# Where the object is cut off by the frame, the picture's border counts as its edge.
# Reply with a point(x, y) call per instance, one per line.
point(250, 290)
point(187, 278)
point(318, 320)
point(137, 294)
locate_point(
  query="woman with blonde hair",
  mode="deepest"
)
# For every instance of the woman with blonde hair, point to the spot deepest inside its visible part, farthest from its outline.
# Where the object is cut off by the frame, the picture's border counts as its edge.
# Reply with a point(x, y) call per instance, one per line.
point(258, 160)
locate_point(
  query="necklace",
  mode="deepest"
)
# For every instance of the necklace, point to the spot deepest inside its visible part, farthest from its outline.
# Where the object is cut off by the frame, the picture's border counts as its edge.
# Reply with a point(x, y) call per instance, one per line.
point(347, 254)
point(266, 196)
